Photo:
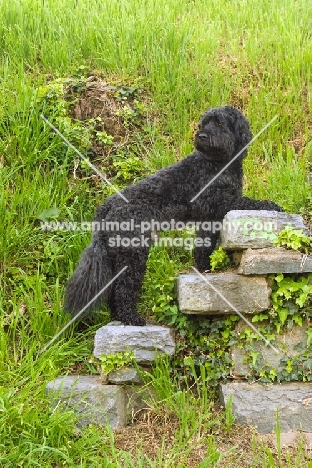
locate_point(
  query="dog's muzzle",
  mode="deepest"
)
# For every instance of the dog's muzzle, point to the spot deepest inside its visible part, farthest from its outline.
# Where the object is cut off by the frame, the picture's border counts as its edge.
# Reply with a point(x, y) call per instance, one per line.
point(208, 140)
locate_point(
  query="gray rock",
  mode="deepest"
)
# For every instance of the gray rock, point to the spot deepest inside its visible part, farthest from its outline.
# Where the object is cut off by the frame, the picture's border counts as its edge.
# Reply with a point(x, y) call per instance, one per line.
point(244, 229)
point(143, 341)
point(139, 398)
point(125, 375)
point(236, 257)
point(274, 260)
point(246, 294)
point(93, 402)
point(284, 342)
point(255, 405)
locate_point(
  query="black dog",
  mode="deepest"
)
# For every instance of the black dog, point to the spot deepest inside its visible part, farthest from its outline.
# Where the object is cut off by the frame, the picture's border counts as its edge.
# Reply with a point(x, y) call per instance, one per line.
point(170, 193)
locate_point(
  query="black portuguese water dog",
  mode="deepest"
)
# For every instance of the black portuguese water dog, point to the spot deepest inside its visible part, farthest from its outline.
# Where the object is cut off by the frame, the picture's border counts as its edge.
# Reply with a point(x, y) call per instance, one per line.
point(168, 194)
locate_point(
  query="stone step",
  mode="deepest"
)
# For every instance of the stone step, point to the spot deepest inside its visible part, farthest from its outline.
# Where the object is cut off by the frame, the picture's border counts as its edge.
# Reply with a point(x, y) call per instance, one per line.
point(274, 260)
point(97, 403)
point(243, 229)
point(143, 341)
point(125, 376)
point(220, 291)
point(93, 402)
point(256, 405)
point(285, 343)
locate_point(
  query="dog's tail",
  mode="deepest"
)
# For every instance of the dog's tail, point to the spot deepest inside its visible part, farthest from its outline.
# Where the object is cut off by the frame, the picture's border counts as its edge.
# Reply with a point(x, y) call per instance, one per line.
point(92, 274)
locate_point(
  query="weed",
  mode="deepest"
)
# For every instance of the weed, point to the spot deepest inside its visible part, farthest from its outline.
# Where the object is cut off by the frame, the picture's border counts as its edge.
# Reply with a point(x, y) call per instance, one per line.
point(219, 259)
point(129, 169)
point(189, 56)
point(294, 239)
point(111, 362)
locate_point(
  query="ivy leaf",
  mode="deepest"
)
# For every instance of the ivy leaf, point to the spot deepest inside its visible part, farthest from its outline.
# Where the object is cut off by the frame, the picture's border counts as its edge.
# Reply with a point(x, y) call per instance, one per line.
point(259, 317)
point(254, 355)
point(298, 320)
point(309, 338)
point(282, 313)
point(226, 333)
point(299, 346)
point(308, 364)
point(279, 278)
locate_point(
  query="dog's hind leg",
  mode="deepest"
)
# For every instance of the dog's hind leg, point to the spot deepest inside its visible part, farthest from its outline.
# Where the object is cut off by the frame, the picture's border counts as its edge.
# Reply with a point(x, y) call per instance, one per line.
point(124, 293)
point(91, 276)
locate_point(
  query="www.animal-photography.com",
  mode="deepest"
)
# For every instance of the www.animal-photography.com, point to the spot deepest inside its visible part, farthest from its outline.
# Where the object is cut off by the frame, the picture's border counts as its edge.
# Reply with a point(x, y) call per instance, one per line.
point(155, 235)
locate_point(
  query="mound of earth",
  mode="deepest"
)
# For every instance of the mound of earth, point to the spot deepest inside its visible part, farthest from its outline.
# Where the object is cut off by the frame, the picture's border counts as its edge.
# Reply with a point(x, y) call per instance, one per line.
point(101, 101)
point(118, 111)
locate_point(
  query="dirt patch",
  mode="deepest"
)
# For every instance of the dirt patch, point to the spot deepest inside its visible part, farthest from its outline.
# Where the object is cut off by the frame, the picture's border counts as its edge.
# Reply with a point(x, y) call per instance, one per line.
point(154, 433)
point(115, 117)
point(99, 101)
point(108, 122)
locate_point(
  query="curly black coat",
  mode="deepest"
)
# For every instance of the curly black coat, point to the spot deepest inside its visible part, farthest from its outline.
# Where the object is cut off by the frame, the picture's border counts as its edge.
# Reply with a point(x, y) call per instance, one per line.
point(168, 194)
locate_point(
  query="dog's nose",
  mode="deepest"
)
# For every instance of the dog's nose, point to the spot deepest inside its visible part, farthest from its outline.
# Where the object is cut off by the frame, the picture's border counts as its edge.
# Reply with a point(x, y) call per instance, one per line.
point(202, 136)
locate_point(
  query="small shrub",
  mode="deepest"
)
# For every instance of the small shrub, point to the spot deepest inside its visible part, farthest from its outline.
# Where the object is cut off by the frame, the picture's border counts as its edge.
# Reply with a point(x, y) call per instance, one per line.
point(113, 362)
point(219, 259)
point(294, 239)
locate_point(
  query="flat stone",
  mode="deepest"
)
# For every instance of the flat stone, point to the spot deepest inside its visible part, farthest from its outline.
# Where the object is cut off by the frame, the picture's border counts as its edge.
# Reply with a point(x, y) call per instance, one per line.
point(284, 342)
point(236, 257)
point(143, 341)
point(125, 375)
point(247, 294)
point(244, 229)
point(139, 398)
point(255, 405)
point(274, 260)
point(93, 402)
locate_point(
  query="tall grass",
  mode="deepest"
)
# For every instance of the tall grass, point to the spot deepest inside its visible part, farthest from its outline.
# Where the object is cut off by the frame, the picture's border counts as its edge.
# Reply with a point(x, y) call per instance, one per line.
point(189, 56)
point(192, 54)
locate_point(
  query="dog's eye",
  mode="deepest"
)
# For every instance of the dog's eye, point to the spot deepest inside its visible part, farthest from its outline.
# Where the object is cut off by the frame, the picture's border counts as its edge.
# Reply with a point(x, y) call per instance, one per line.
point(217, 122)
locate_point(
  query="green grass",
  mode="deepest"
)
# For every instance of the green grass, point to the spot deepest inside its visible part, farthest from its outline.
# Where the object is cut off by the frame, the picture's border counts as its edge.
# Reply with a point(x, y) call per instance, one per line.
point(188, 56)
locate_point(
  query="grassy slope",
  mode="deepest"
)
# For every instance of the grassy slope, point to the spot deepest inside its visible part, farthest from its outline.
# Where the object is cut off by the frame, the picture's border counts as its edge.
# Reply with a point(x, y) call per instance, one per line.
point(190, 56)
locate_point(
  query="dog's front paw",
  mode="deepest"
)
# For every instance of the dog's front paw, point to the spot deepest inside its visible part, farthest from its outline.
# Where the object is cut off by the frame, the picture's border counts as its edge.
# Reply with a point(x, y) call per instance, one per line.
point(203, 265)
point(136, 321)
point(271, 206)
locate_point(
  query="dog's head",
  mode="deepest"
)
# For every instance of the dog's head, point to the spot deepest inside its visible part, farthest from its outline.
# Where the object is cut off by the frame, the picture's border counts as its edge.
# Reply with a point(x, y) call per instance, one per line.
point(222, 133)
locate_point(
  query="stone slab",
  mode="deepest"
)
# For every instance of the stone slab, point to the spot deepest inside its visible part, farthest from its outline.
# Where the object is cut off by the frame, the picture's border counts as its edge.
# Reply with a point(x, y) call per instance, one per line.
point(139, 399)
point(93, 402)
point(255, 405)
point(125, 375)
point(247, 294)
point(145, 341)
point(284, 342)
point(274, 260)
point(244, 229)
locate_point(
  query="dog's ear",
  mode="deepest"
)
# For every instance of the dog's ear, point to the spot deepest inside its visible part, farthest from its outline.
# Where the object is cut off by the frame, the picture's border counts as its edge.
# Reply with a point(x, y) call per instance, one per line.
point(242, 130)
